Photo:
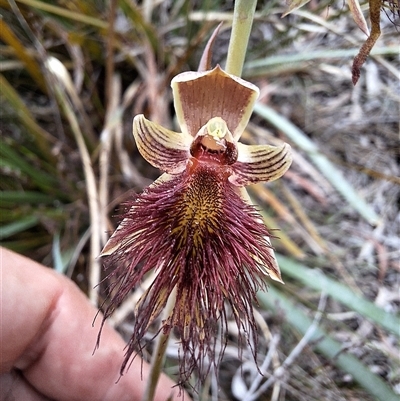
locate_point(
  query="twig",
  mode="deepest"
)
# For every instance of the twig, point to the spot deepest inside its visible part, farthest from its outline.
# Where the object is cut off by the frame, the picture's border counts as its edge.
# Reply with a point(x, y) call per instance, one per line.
point(267, 360)
point(297, 350)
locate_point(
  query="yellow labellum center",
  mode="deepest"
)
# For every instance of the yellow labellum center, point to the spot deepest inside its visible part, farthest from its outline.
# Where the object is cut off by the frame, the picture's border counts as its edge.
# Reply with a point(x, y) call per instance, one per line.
point(200, 207)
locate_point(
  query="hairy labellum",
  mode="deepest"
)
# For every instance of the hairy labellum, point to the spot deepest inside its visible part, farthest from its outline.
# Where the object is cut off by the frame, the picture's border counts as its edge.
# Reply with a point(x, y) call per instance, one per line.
point(203, 239)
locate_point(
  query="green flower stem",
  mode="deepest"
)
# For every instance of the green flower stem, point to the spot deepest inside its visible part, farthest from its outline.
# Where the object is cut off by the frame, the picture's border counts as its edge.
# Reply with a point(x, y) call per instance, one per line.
point(158, 357)
point(243, 16)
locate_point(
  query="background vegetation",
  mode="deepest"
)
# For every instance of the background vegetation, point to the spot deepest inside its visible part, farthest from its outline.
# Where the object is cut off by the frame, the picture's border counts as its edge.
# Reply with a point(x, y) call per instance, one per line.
point(73, 75)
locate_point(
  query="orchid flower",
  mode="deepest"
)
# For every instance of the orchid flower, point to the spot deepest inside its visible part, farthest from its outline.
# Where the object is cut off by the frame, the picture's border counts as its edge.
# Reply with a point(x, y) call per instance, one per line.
point(195, 225)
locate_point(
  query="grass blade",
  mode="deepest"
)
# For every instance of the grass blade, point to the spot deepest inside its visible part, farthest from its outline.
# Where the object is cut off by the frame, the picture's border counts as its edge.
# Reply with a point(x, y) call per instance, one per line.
point(63, 12)
point(18, 226)
point(17, 162)
point(11, 198)
point(30, 63)
point(62, 77)
point(41, 137)
point(317, 280)
point(260, 66)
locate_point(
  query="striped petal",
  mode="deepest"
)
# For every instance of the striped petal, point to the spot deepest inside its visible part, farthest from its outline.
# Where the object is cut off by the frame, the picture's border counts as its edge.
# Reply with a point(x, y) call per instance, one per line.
point(167, 150)
point(260, 163)
point(200, 96)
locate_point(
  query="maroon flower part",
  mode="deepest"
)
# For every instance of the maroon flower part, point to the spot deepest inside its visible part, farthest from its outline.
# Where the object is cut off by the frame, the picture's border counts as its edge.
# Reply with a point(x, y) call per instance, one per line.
point(195, 225)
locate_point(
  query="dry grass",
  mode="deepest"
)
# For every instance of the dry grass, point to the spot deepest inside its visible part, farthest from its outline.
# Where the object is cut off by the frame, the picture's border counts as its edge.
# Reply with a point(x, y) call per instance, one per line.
point(66, 142)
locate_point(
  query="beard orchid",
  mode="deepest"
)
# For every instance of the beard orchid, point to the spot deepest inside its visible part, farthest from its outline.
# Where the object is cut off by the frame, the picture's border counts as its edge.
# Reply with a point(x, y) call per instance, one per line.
point(195, 225)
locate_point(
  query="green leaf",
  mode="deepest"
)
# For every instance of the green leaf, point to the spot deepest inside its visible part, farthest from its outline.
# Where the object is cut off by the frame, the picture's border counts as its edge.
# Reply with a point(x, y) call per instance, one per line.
point(260, 66)
point(41, 137)
point(64, 12)
point(16, 162)
point(18, 226)
point(316, 279)
point(13, 198)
